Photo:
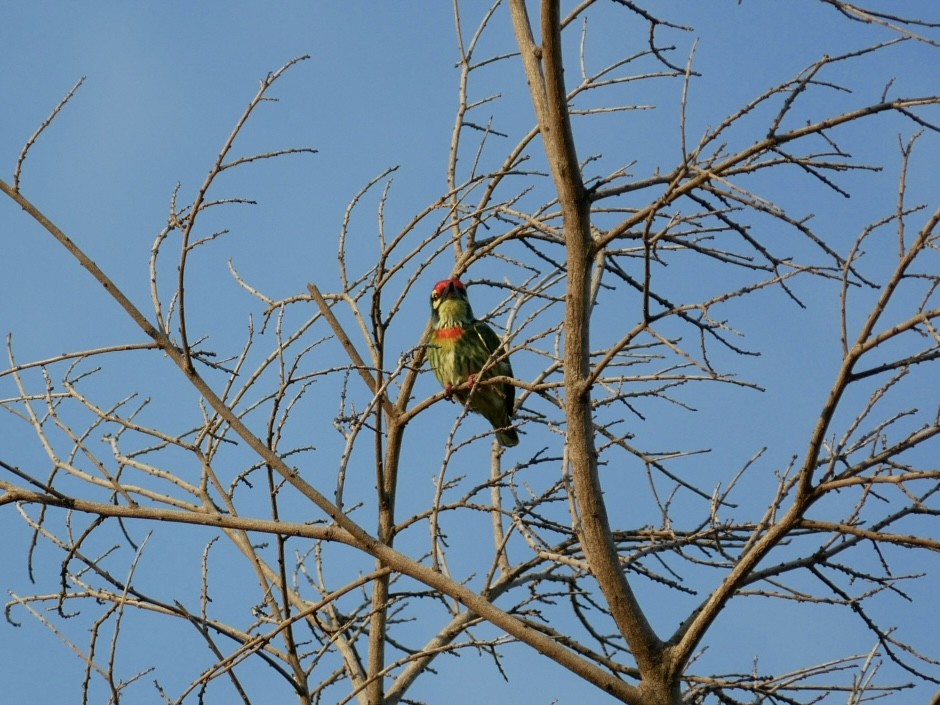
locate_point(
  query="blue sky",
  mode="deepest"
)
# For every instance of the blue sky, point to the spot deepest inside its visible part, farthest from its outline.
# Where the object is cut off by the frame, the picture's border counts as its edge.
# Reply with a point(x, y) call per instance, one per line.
point(165, 83)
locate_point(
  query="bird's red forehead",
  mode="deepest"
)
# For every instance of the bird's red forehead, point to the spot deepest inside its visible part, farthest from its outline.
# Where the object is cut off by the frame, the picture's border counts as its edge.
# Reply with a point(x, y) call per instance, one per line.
point(441, 285)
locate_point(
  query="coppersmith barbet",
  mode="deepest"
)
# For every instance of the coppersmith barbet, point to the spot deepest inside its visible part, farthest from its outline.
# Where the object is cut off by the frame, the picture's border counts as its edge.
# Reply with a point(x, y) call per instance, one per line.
point(459, 347)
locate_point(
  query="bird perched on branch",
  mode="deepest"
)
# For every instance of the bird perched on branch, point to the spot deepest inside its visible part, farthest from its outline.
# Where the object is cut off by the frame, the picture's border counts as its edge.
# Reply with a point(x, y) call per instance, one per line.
point(459, 347)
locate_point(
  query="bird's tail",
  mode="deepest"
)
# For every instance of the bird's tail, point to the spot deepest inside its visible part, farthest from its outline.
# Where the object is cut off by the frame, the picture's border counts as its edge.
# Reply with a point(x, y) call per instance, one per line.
point(507, 437)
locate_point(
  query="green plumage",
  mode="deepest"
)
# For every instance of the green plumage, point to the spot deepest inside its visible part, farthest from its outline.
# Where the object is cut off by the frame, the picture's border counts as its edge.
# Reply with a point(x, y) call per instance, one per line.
point(459, 347)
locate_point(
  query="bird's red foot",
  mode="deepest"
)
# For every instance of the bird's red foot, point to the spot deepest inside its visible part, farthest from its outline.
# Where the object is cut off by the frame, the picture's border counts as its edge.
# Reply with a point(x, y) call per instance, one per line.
point(448, 391)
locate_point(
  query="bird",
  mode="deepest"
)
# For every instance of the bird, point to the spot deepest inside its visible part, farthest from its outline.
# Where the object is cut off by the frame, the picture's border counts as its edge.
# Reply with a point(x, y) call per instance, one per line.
point(459, 347)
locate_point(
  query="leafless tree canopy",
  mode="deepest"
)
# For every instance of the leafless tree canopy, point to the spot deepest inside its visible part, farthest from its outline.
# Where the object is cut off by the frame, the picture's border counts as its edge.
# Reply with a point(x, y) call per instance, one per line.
point(346, 531)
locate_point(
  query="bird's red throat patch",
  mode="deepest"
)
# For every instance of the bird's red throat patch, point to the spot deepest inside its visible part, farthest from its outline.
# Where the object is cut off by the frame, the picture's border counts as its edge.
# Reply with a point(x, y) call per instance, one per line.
point(449, 333)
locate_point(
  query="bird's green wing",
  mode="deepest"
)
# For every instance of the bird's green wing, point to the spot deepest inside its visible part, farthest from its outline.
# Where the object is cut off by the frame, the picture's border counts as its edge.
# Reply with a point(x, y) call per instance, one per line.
point(487, 335)
point(506, 392)
point(492, 343)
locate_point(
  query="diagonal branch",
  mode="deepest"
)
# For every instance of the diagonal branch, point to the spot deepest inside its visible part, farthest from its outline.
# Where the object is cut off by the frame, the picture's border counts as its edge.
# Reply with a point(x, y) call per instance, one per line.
point(349, 347)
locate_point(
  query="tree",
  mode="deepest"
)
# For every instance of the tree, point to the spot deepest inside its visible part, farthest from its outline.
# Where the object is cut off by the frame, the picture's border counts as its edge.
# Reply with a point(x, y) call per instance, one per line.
point(295, 460)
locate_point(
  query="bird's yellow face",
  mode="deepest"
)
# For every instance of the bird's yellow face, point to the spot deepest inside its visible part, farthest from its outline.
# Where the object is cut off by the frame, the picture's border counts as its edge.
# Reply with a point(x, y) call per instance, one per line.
point(449, 304)
point(450, 308)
